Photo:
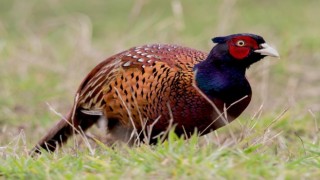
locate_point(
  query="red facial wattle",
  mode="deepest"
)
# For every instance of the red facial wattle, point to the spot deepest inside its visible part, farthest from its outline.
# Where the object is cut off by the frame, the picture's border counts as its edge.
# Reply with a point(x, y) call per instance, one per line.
point(242, 51)
point(239, 52)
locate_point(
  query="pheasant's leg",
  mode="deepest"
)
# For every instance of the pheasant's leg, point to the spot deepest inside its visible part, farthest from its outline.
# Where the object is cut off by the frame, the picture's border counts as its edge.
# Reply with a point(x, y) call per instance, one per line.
point(116, 132)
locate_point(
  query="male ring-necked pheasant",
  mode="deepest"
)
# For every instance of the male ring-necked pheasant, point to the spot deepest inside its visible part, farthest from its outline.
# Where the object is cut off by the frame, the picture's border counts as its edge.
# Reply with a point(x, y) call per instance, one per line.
point(150, 88)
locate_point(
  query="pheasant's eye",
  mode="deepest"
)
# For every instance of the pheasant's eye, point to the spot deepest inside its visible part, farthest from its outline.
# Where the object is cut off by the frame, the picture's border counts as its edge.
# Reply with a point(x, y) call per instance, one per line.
point(240, 43)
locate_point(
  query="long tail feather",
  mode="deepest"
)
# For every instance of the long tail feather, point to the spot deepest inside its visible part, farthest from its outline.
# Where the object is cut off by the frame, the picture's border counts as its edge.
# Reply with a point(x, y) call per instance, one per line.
point(64, 129)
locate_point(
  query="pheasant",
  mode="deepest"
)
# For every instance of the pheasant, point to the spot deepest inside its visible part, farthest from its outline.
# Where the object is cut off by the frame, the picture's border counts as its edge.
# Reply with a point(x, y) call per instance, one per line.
point(143, 91)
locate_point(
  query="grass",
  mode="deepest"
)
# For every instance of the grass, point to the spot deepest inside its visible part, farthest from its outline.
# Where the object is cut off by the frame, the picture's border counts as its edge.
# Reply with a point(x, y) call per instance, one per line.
point(47, 47)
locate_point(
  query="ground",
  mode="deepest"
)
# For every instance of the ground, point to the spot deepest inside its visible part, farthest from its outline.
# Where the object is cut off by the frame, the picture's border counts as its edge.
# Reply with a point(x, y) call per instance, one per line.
point(47, 47)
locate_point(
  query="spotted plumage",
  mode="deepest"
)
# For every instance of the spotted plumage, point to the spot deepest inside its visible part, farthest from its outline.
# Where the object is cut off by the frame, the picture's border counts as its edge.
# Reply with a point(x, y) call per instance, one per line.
point(157, 86)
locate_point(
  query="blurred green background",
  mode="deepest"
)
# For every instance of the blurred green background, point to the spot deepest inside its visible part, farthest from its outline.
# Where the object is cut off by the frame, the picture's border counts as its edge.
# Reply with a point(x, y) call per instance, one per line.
point(48, 46)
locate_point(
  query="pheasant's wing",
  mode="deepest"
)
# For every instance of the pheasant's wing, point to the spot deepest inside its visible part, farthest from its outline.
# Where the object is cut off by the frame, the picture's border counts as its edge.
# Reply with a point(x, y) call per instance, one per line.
point(131, 83)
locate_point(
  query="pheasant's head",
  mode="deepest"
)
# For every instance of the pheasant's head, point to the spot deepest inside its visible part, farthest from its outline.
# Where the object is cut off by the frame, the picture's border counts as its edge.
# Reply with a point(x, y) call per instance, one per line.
point(222, 73)
point(242, 49)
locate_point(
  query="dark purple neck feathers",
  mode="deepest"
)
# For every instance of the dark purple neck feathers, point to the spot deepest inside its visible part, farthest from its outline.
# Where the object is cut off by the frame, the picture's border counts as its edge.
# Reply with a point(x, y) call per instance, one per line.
point(221, 77)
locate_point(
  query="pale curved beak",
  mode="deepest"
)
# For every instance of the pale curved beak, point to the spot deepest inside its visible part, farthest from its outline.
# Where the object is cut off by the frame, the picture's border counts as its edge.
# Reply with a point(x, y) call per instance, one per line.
point(267, 50)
